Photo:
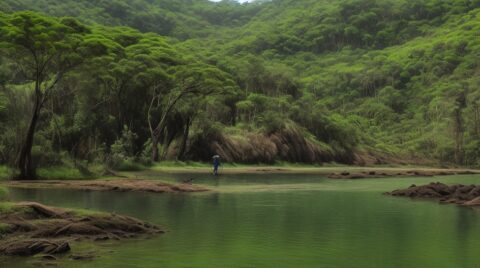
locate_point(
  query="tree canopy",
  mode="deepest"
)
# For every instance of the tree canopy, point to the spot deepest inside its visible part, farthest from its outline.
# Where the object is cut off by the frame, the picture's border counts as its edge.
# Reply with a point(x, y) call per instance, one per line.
point(346, 81)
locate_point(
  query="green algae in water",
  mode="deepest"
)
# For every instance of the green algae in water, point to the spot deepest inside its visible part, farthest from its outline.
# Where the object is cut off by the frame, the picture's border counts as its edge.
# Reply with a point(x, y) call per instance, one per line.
point(322, 223)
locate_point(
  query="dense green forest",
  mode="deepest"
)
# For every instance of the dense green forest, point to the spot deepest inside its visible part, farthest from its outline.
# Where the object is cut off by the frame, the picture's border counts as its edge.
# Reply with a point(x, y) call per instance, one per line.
point(128, 83)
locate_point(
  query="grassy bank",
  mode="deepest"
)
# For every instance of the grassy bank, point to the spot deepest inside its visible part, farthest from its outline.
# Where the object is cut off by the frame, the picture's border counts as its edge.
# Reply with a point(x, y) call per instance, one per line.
point(65, 172)
point(69, 172)
point(101, 172)
point(283, 167)
point(190, 164)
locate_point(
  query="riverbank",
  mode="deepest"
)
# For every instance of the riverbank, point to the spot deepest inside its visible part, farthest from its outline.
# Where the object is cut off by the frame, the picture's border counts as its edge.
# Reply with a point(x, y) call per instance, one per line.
point(465, 195)
point(334, 172)
point(119, 185)
point(29, 228)
point(331, 171)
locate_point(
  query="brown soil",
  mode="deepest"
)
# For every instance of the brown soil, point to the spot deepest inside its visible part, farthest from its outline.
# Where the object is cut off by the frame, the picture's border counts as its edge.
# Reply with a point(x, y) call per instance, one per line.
point(349, 172)
point(120, 185)
point(399, 173)
point(33, 229)
point(466, 195)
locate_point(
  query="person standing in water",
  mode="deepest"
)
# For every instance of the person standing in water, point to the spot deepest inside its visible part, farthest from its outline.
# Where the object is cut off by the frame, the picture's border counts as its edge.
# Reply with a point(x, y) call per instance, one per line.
point(216, 164)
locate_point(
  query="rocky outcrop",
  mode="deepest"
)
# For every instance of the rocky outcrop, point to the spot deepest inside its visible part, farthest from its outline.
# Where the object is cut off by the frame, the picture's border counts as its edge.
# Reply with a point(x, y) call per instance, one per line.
point(32, 228)
point(466, 195)
point(398, 173)
point(289, 144)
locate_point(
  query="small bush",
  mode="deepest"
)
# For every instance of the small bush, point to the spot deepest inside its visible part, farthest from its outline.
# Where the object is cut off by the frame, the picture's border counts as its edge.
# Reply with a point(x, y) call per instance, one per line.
point(5, 172)
point(128, 165)
point(122, 156)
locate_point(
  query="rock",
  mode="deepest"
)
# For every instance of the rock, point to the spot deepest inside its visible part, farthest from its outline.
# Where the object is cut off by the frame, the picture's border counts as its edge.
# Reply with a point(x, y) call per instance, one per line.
point(48, 230)
point(473, 202)
point(29, 247)
point(453, 194)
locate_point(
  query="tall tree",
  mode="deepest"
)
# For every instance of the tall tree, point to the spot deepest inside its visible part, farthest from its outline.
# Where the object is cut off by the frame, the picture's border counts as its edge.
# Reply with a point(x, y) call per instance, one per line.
point(44, 50)
point(189, 80)
point(458, 126)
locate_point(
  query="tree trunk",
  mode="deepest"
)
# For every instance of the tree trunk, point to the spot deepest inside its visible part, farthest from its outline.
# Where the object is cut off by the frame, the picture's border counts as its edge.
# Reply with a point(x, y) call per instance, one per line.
point(183, 145)
point(155, 149)
point(476, 114)
point(233, 115)
point(458, 132)
point(157, 132)
point(167, 141)
point(27, 170)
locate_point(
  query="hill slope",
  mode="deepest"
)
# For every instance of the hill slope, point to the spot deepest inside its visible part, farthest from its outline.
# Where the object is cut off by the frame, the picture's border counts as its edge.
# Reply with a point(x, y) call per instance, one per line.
point(349, 81)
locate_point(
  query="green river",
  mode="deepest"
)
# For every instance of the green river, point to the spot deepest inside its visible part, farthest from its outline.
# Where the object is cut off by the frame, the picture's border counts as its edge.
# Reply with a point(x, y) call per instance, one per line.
point(279, 221)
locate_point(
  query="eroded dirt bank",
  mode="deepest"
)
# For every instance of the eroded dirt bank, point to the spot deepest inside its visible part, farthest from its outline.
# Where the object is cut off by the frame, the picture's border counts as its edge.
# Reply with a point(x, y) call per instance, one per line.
point(400, 173)
point(120, 185)
point(29, 228)
point(466, 195)
point(349, 172)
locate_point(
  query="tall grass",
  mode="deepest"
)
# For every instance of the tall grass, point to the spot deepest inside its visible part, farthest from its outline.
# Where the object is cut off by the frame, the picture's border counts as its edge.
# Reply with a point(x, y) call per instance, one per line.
point(62, 173)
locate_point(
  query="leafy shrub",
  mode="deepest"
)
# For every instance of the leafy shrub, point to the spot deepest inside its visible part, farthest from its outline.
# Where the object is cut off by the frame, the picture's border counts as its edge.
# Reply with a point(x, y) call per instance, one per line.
point(122, 152)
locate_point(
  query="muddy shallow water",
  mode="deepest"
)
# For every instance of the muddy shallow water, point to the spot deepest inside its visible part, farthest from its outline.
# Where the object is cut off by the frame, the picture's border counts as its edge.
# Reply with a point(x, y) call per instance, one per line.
point(279, 221)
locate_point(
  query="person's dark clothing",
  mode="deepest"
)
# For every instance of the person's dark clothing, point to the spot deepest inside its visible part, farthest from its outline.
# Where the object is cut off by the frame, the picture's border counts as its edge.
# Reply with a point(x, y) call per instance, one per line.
point(216, 164)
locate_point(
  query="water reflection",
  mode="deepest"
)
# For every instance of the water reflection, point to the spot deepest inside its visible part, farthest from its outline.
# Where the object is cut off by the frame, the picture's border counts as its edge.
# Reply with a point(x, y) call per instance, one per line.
point(338, 227)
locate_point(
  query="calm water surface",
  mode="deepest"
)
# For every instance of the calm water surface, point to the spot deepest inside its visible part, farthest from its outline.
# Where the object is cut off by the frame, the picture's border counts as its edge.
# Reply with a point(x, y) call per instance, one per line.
point(280, 221)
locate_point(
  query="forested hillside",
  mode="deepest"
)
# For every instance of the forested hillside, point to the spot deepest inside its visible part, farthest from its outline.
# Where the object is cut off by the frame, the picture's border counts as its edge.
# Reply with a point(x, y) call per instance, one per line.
point(179, 18)
point(351, 81)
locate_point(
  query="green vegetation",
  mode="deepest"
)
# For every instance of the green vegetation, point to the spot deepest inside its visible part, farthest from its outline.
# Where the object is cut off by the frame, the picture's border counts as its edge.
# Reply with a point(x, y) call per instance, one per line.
point(62, 172)
point(304, 81)
point(5, 172)
point(4, 228)
point(7, 208)
point(179, 18)
point(3, 193)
